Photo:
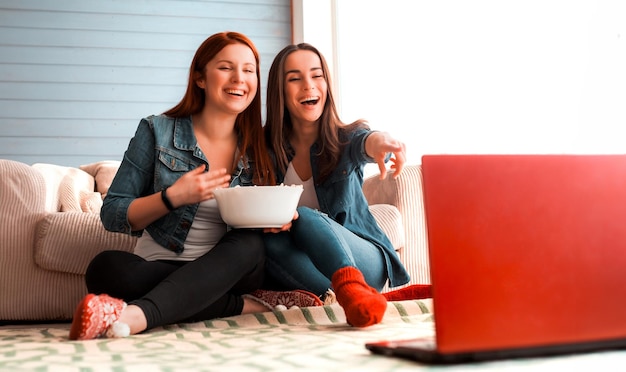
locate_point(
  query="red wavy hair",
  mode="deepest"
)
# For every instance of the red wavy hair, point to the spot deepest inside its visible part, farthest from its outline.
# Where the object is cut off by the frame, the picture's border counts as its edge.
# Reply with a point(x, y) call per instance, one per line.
point(249, 123)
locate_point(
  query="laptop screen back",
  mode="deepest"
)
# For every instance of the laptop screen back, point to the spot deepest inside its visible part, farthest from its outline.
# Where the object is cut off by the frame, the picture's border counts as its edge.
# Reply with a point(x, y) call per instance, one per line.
point(526, 250)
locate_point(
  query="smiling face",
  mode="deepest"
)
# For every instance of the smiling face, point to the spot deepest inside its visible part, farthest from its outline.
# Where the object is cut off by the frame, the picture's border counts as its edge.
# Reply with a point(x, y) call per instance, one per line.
point(230, 80)
point(305, 87)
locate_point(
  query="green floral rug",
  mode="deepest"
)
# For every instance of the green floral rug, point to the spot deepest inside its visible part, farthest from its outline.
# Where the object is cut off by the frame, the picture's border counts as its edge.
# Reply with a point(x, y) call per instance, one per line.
point(314, 338)
point(311, 339)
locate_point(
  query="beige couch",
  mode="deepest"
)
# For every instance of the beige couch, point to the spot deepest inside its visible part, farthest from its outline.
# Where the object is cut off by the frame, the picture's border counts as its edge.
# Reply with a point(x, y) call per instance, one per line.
point(51, 229)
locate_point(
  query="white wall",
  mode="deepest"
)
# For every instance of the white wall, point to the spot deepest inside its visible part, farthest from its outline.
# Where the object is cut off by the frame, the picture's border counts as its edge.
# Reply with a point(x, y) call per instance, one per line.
point(455, 76)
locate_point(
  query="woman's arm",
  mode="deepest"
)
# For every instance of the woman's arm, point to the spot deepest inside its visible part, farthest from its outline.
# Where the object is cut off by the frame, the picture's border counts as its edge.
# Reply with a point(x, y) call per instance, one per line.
point(193, 187)
point(378, 144)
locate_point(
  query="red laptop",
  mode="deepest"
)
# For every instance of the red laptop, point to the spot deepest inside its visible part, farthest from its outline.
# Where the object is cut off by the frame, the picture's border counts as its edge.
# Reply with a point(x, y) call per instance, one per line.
point(527, 257)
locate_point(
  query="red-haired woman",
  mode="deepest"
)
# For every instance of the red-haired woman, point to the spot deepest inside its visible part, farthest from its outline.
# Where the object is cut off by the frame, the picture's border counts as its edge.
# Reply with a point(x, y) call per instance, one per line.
point(187, 265)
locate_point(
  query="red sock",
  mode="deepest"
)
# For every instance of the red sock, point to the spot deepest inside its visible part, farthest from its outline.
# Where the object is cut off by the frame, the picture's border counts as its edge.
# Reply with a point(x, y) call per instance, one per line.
point(363, 305)
point(411, 292)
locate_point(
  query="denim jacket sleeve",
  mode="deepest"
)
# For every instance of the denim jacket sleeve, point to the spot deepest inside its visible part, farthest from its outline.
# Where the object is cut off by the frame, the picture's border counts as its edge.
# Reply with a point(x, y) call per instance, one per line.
point(162, 150)
point(133, 180)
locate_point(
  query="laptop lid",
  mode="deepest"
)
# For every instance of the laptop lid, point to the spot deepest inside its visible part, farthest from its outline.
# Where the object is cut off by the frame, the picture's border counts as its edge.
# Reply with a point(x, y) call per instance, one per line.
point(526, 251)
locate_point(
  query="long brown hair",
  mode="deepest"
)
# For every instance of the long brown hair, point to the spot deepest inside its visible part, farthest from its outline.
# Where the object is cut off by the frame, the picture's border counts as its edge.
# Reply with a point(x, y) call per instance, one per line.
point(278, 126)
point(249, 123)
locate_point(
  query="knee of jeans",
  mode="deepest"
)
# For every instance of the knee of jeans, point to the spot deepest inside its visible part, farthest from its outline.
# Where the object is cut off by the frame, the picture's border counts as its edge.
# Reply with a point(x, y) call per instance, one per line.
point(306, 212)
point(306, 216)
point(309, 219)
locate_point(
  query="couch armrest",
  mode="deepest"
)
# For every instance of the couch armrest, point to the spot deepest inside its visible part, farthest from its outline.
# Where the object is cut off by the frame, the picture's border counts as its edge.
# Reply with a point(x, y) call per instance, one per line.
point(390, 221)
point(68, 241)
point(405, 193)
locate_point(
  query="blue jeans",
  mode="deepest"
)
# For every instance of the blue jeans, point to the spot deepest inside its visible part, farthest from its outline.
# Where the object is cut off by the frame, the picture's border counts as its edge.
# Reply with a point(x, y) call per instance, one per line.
point(307, 256)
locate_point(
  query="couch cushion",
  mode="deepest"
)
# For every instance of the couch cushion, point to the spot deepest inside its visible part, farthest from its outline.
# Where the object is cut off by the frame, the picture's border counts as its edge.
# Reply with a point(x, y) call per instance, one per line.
point(103, 172)
point(68, 241)
point(390, 221)
point(69, 189)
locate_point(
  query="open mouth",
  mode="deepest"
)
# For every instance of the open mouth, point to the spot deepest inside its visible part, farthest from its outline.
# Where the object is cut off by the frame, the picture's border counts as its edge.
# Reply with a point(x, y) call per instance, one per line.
point(310, 101)
point(235, 92)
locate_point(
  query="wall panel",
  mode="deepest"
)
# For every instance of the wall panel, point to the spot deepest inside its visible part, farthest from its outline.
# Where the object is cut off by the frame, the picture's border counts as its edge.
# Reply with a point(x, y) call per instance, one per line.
point(76, 76)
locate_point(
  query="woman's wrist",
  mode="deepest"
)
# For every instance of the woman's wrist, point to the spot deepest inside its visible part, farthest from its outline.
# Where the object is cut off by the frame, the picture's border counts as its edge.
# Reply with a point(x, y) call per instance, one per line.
point(166, 200)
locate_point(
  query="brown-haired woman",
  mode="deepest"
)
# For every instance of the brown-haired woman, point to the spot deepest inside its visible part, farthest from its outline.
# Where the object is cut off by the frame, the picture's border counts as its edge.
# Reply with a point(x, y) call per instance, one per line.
point(187, 266)
point(335, 243)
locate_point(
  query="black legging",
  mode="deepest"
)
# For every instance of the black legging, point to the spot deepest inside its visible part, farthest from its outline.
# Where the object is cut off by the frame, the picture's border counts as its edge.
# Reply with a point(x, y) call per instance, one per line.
point(183, 291)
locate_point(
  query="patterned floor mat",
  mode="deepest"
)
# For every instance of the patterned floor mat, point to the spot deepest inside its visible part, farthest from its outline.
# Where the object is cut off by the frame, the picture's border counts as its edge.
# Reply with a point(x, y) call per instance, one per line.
point(308, 339)
point(314, 338)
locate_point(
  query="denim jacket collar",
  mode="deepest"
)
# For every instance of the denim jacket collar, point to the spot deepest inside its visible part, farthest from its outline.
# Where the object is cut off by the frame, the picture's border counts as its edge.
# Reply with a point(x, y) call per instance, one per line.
point(184, 138)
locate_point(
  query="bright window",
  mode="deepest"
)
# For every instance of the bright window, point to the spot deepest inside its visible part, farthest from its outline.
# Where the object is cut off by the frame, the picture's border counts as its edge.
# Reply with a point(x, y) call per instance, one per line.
point(455, 76)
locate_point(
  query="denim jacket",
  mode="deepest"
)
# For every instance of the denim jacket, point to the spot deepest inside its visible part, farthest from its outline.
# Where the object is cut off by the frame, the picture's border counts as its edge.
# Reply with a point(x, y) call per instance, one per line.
point(162, 150)
point(341, 197)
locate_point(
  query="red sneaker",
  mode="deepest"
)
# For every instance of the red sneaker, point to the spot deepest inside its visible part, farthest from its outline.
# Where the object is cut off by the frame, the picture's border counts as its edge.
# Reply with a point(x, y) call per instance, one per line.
point(285, 300)
point(93, 316)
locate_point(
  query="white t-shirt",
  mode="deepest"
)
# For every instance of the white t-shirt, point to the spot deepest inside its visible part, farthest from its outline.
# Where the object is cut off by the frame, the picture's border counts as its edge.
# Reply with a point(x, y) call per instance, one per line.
point(206, 230)
point(308, 197)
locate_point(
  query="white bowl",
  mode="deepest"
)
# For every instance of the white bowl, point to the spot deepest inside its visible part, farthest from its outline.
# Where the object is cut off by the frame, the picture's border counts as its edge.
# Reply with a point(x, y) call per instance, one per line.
point(258, 206)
